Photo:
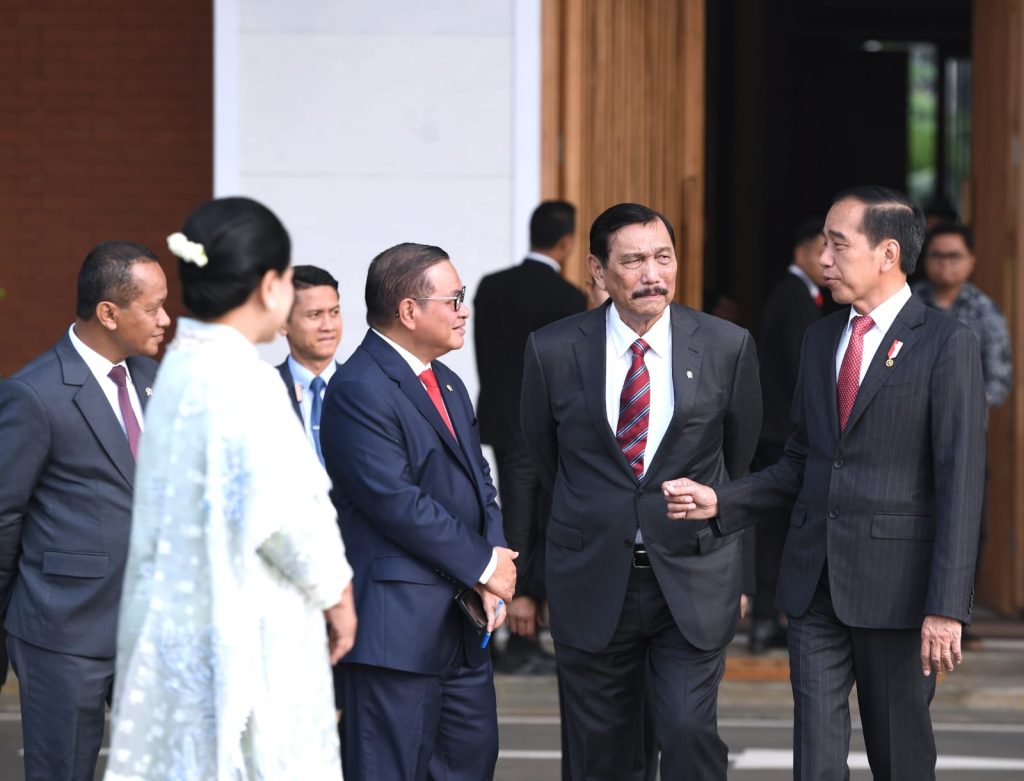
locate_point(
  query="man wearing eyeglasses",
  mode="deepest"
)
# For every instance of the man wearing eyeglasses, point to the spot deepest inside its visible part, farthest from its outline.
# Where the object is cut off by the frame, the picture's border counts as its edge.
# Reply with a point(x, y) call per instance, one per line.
point(418, 513)
point(614, 401)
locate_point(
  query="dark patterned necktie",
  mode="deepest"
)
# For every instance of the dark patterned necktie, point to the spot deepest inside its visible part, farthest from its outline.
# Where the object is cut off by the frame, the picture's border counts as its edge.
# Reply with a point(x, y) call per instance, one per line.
point(131, 424)
point(849, 372)
point(635, 410)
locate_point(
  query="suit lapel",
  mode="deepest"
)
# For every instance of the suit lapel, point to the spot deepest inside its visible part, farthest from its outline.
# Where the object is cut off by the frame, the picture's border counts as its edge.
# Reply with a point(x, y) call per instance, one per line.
point(460, 413)
point(395, 367)
point(289, 383)
point(142, 379)
point(95, 408)
point(590, 352)
point(687, 355)
point(905, 328)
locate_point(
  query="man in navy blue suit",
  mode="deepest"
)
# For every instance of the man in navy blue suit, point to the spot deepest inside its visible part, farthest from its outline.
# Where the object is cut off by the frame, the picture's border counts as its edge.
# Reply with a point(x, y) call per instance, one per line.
point(418, 513)
point(313, 331)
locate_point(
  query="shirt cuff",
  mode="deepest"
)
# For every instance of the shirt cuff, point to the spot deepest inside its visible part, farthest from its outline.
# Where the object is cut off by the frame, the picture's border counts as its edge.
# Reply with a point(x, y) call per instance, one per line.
point(489, 569)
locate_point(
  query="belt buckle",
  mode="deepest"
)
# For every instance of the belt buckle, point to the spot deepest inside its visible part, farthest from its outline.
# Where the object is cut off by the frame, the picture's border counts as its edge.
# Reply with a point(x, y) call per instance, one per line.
point(640, 558)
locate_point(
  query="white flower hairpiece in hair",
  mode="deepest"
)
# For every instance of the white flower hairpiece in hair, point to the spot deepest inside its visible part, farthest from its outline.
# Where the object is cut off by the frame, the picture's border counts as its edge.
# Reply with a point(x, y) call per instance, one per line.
point(189, 251)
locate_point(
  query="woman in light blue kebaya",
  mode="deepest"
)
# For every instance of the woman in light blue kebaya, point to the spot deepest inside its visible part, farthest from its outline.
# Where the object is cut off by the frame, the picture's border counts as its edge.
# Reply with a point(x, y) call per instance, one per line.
point(235, 559)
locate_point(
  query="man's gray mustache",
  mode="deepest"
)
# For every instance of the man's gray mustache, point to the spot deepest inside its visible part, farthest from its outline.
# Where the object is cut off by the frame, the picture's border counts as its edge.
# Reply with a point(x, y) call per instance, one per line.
point(649, 291)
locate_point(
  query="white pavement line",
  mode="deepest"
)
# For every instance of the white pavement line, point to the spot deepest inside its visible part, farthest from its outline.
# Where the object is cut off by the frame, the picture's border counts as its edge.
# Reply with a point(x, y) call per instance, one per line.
point(942, 726)
point(541, 720)
point(520, 754)
point(781, 759)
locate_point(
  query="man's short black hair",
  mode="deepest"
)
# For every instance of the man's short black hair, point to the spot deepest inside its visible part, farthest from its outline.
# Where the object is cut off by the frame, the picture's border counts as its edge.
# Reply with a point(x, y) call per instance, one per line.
point(807, 230)
point(550, 222)
point(951, 229)
point(617, 217)
point(106, 275)
point(312, 276)
point(890, 215)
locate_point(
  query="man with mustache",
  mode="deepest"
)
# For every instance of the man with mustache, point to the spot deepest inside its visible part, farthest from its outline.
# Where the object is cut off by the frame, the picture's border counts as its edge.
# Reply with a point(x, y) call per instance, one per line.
point(71, 423)
point(614, 400)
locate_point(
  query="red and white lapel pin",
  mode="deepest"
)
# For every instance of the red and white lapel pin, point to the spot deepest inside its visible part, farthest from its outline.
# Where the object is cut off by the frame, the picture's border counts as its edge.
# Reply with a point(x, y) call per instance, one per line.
point(894, 350)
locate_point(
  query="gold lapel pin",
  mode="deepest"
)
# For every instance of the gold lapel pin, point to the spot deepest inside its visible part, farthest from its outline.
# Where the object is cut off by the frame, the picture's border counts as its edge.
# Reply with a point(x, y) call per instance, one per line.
point(689, 375)
point(449, 387)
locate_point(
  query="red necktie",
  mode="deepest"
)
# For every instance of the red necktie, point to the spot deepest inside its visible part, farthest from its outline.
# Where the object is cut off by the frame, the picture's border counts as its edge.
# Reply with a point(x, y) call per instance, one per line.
point(430, 381)
point(131, 424)
point(849, 371)
point(635, 410)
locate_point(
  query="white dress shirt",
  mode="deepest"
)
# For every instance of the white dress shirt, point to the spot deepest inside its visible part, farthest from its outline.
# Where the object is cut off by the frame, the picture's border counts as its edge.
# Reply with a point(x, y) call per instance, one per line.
point(540, 257)
point(418, 367)
point(883, 316)
point(618, 359)
point(100, 368)
point(798, 272)
point(302, 377)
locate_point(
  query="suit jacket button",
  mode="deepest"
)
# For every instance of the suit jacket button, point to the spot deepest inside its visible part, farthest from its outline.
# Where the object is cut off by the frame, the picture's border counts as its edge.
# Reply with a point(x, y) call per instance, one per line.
point(640, 493)
point(838, 463)
point(833, 514)
point(627, 543)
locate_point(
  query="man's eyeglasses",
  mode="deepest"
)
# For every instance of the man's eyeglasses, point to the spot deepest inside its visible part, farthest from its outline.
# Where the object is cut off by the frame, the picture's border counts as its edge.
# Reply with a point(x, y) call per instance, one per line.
point(456, 300)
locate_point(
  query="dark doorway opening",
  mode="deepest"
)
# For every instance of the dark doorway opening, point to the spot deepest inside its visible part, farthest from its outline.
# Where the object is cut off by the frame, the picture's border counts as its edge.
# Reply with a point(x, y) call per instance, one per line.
point(808, 97)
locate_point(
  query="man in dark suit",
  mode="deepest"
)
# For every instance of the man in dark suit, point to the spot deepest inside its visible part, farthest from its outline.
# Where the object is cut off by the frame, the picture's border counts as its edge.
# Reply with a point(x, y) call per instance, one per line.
point(614, 400)
point(793, 304)
point(418, 513)
point(313, 332)
point(886, 468)
point(71, 420)
point(509, 306)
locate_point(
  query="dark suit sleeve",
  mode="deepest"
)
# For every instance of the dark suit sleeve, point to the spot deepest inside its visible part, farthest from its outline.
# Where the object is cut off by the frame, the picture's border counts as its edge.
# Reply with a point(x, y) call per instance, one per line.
point(371, 464)
point(958, 450)
point(743, 502)
point(24, 451)
point(537, 422)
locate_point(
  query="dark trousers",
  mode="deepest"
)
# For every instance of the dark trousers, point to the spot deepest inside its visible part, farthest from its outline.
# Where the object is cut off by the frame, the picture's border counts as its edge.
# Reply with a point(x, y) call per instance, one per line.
point(411, 727)
point(604, 697)
point(63, 701)
point(826, 659)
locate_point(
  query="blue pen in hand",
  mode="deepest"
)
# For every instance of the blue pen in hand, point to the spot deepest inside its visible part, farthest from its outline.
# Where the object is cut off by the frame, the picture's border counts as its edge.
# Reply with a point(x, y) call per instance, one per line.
point(487, 635)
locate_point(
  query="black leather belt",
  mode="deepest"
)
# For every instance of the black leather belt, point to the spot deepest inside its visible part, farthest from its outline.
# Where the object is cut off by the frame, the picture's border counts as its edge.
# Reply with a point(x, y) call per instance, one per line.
point(640, 558)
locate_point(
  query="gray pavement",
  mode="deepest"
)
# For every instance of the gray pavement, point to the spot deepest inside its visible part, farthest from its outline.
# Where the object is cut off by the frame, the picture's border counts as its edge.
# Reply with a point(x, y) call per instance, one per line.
point(978, 714)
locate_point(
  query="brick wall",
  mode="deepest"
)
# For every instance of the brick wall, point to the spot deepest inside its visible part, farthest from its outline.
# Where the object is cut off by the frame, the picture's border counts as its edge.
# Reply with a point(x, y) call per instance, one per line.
point(106, 132)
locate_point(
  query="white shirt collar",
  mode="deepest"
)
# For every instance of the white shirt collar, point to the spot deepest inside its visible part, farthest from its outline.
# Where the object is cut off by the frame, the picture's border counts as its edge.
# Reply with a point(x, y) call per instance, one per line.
point(796, 271)
point(885, 313)
point(417, 366)
point(98, 365)
point(622, 336)
point(540, 257)
point(303, 376)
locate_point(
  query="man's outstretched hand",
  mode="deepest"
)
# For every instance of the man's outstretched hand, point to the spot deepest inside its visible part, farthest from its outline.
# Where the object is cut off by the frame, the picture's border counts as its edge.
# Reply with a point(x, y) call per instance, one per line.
point(688, 500)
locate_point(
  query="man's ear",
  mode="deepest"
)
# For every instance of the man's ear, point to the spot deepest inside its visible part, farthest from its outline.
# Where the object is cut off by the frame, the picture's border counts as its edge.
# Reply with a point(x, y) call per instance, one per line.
point(596, 271)
point(407, 309)
point(106, 315)
point(891, 252)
